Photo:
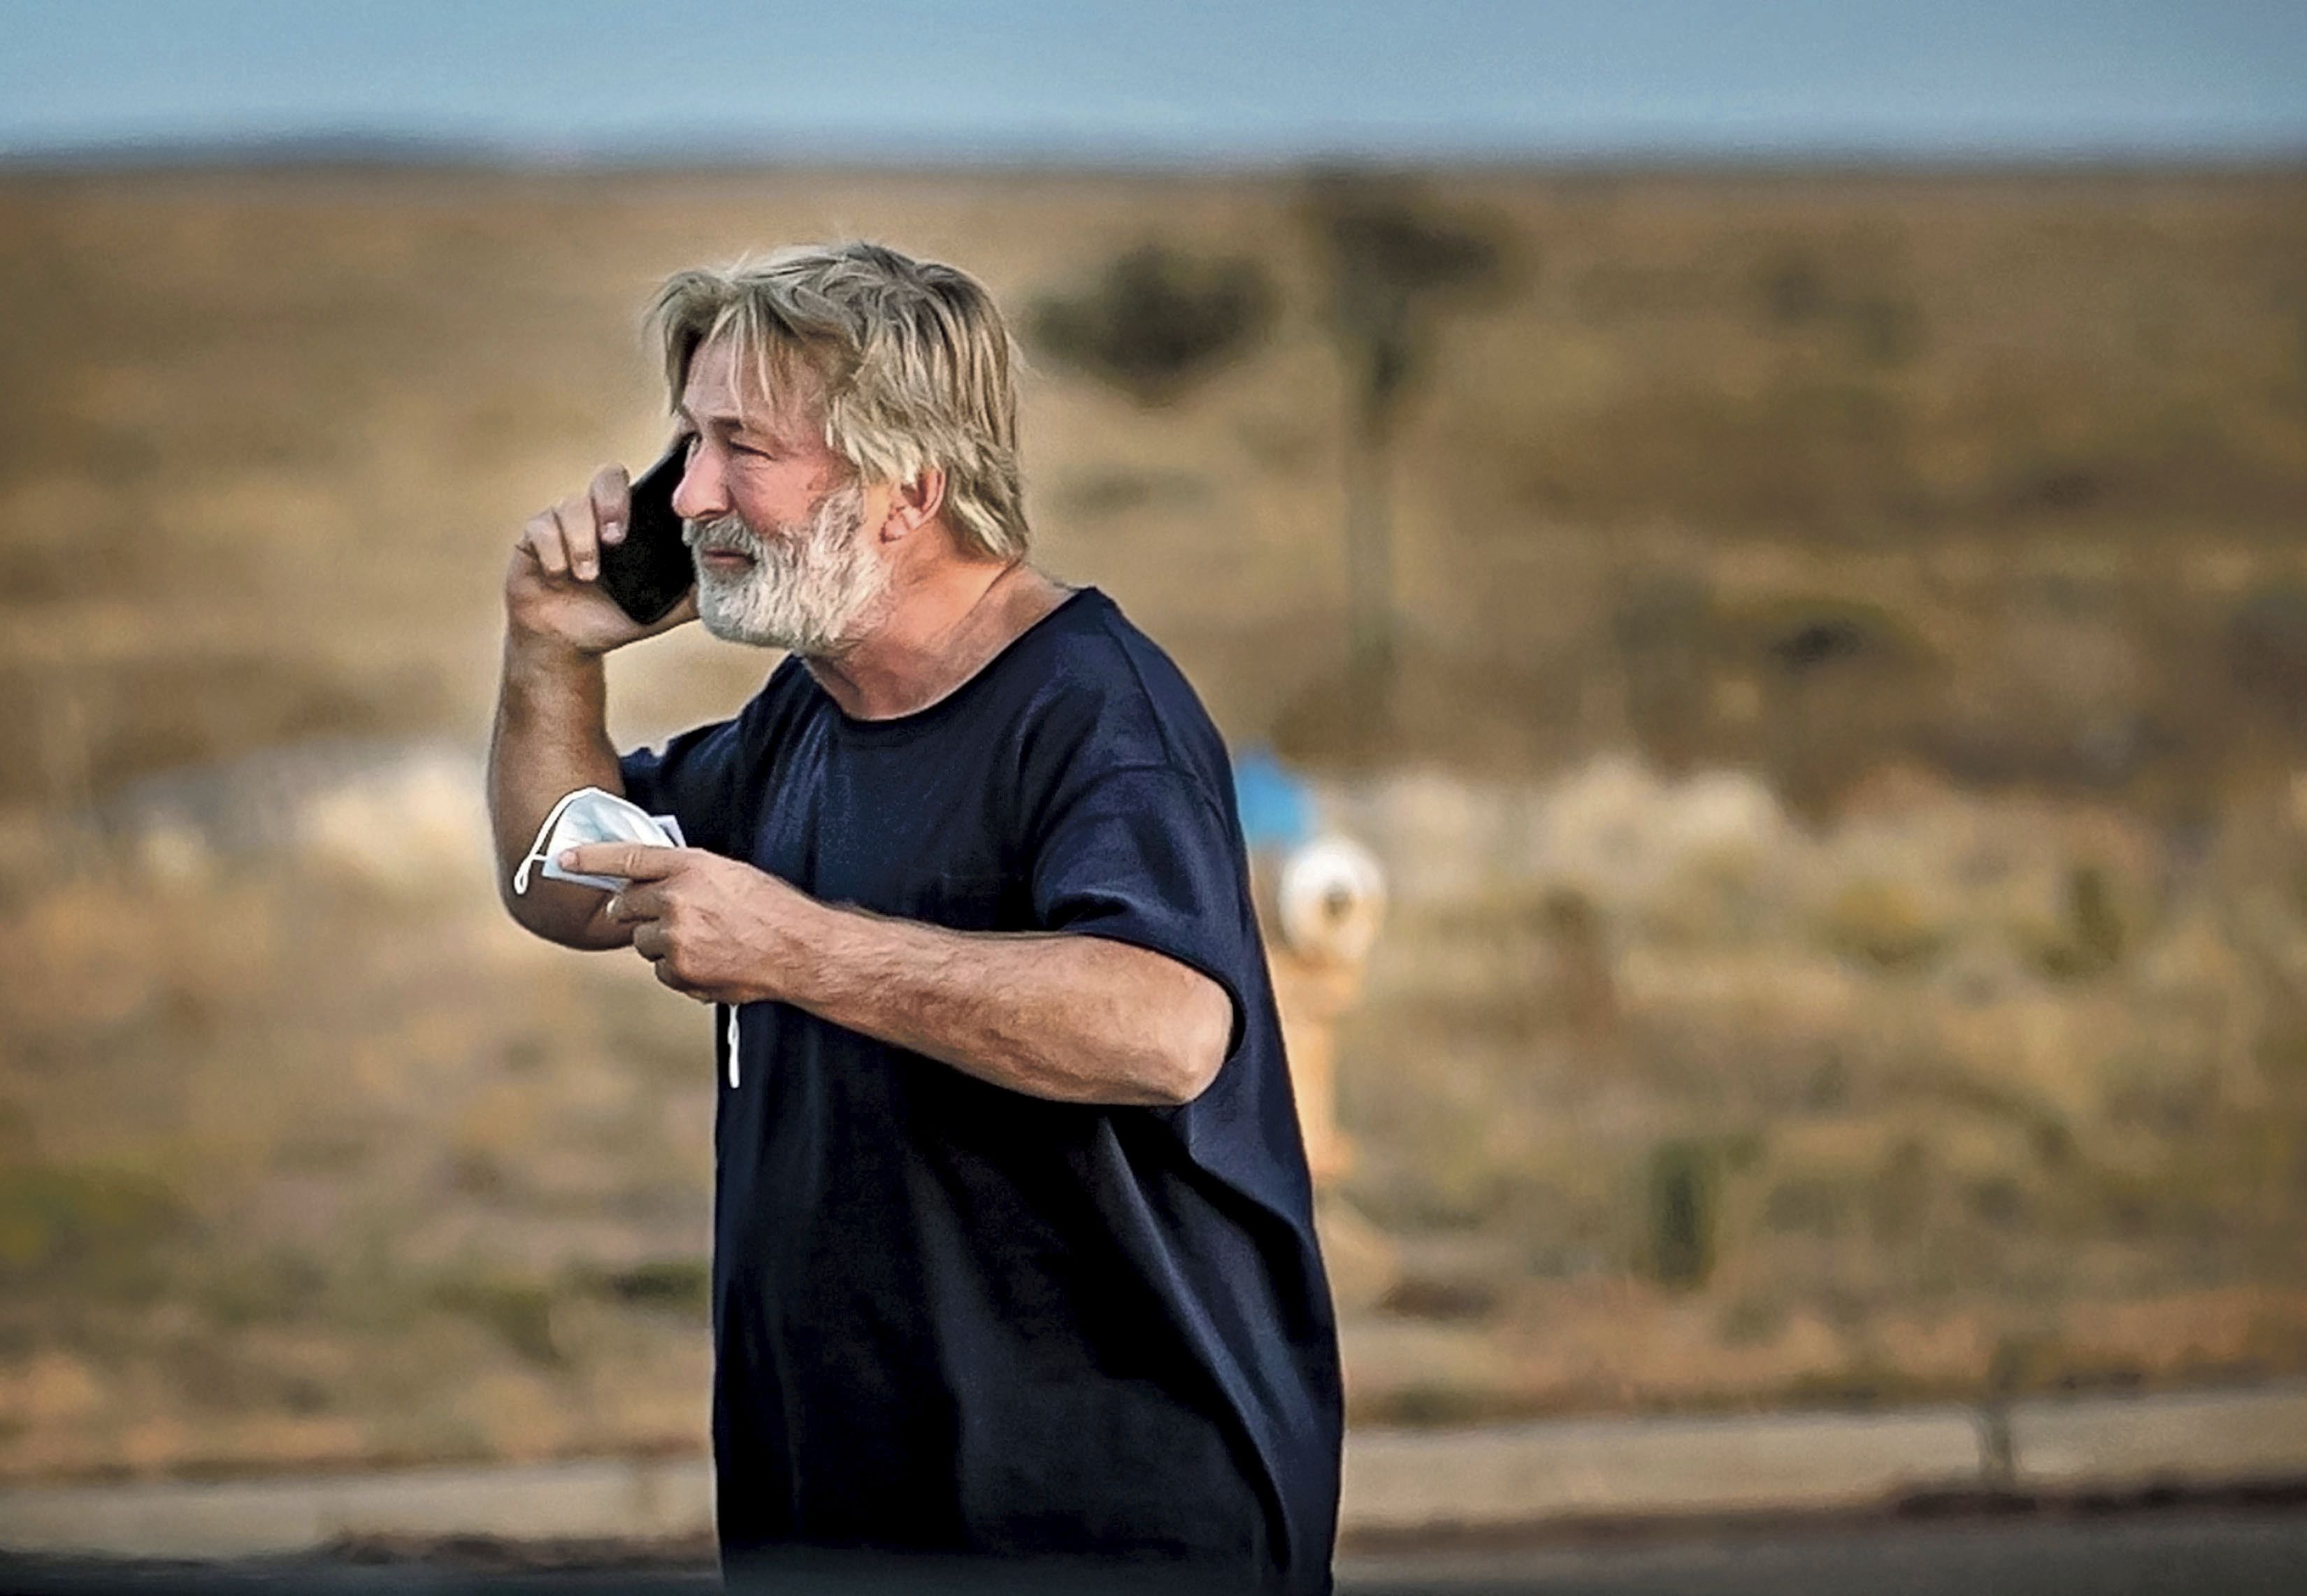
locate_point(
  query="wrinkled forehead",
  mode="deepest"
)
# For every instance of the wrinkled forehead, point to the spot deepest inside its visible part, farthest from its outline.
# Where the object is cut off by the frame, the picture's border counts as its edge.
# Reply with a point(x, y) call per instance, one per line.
point(765, 385)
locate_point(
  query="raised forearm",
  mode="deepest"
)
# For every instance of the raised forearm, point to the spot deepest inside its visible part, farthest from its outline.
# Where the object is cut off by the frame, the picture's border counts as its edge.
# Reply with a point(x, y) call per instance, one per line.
point(1077, 1018)
point(550, 738)
point(550, 735)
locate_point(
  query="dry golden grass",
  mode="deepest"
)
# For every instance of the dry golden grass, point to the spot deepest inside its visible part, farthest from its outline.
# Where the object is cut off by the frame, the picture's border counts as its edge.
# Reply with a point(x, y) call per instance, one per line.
point(1931, 1114)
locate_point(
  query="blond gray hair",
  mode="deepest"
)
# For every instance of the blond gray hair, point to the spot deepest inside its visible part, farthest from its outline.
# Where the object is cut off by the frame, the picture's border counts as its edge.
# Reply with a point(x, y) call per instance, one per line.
point(908, 360)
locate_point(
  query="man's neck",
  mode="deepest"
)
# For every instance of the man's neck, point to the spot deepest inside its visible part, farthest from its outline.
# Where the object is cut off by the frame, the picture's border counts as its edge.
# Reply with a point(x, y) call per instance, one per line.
point(939, 633)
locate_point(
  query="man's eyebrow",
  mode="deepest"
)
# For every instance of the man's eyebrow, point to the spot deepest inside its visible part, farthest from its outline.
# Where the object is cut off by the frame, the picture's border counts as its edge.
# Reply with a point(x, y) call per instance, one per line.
point(726, 421)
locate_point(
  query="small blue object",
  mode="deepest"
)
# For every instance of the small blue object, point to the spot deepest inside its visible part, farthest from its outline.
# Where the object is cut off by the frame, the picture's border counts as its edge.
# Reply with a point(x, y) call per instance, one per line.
point(1277, 810)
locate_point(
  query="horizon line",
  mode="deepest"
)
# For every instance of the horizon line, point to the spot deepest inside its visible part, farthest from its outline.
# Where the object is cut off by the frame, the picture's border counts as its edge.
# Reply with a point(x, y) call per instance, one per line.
point(355, 149)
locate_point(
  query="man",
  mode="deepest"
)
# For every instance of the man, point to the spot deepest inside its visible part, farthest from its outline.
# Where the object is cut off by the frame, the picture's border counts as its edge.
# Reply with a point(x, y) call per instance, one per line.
point(1014, 1251)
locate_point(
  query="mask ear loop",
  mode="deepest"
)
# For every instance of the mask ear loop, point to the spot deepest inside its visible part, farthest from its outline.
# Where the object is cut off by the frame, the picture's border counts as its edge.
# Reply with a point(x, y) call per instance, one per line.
point(537, 850)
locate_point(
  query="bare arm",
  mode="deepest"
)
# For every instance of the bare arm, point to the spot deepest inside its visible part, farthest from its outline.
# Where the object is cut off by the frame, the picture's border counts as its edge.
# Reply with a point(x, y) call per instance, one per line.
point(550, 739)
point(1077, 1018)
point(550, 735)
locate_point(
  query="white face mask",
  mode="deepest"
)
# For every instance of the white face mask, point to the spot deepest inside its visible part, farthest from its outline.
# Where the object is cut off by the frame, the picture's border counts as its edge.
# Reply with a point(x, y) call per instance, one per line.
point(589, 815)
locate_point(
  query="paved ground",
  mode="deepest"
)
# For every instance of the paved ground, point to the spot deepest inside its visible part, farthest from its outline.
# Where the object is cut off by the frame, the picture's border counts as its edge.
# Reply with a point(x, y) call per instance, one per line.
point(2177, 1553)
point(1798, 1503)
point(1417, 1481)
point(2163, 1553)
point(1399, 1483)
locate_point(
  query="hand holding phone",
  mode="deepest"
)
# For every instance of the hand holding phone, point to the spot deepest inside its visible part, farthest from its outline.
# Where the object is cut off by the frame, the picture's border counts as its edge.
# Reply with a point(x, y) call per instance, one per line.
point(649, 571)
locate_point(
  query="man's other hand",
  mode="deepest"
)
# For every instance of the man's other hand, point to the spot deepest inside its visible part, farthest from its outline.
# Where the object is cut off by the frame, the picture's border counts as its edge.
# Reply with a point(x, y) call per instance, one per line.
point(1069, 1017)
point(713, 929)
point(552, 591)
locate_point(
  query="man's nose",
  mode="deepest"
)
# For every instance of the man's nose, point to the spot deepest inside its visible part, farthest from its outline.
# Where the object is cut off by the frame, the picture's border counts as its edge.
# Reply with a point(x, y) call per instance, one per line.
point(701, 494)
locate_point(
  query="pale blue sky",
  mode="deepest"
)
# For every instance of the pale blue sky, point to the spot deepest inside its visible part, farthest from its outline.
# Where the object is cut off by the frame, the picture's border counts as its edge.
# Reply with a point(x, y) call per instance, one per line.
point(1167, 79)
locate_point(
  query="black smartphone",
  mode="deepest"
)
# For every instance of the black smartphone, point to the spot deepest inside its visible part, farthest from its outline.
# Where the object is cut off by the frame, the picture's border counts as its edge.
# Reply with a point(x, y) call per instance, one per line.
point(649, 569)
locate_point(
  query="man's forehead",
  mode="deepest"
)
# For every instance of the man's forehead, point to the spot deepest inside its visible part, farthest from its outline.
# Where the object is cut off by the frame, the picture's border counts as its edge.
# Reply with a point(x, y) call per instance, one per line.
point(726, 387)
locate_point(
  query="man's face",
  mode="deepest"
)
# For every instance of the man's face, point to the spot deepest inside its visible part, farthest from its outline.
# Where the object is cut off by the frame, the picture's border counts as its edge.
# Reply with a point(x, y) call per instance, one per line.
point(775, 519)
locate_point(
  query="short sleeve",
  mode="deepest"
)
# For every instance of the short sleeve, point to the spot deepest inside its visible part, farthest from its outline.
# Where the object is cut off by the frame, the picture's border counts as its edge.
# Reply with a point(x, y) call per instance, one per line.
point(694, 778)
point(1144, 856)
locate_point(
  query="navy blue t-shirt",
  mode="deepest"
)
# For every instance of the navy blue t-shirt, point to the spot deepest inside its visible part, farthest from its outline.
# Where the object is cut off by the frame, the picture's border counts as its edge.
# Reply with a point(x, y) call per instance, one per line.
point(950, 1317)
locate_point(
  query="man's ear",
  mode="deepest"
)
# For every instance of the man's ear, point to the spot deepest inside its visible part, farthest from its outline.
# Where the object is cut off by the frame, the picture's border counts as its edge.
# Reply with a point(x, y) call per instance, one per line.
point(914, 504)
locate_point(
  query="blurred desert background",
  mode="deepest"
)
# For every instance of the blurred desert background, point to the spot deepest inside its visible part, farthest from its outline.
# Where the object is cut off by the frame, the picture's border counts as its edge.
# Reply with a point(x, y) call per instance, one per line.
point(1840, 757)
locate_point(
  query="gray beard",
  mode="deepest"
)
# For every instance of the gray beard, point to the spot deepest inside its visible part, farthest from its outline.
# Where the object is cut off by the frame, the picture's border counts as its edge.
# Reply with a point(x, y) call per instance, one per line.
point(815, 588)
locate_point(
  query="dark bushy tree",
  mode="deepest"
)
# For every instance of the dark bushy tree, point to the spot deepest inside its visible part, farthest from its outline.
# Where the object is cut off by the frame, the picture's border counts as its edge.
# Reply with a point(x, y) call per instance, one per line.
point(1393, 263)
point(1157, 321)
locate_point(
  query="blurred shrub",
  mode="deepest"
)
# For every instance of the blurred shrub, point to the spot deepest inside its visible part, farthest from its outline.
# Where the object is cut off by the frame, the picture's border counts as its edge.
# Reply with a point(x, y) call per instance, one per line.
point(2094, 935)
point(1887, 331)
point(2057, 488)
point(1816, 686)
point(2267, 651)
point(1157, 321)
point(516, 1308)
point(1793, 290)
point(238, 1291)
point(1806, 1204)
point(1898, 1197)
point(1801, 634)
point(1685, 1189)
point(683, 1285)
point(1798, 294)
point(1846, 685)
point(1664, 627)
point(95, 1230)
point(1882, 923)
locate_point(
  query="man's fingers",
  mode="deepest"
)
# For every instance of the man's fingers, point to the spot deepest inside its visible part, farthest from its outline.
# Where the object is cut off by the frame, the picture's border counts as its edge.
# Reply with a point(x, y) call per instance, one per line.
point(665, 977)
point(642, 901)
point(635, 861)
point(542, 537)
point(566, 539)
point(653, 944)
point(612, 494)
point(575, 517)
